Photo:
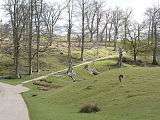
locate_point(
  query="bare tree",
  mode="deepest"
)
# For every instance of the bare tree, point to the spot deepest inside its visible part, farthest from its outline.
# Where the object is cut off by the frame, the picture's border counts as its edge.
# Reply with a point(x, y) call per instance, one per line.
point(31, 10)
point(108, 17)
point(70, 13)
point(120, 52)
point(83, 29)
point(117, 17)
point(18, 17)
point(98, 20)
point(126, 17)
point(104, 26)
point(110, 29)
point(38, 20)
point(153, 15)
point(148, 23)
point(135, 36)
point(155, 22)
point(91, 18)
point(50, 16)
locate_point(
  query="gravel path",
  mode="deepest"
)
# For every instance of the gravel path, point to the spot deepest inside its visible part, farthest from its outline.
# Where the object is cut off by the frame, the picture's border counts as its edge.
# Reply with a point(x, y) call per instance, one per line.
point(12, 105)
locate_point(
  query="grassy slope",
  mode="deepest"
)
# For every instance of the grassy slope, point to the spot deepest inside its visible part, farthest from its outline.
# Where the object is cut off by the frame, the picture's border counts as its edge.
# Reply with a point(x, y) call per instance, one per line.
point(50, 61)
point(138, 99)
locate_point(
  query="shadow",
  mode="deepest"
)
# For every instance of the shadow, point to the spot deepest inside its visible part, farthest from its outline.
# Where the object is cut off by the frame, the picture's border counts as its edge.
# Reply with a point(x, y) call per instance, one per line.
point(139, 63)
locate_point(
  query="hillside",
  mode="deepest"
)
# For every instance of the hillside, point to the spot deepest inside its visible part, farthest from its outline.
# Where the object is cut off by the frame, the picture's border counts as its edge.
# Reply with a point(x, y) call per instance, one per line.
point(137, 98)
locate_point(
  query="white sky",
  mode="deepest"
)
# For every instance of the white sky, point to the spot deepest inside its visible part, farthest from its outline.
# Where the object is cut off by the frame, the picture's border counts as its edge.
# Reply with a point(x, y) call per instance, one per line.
point(138, 6)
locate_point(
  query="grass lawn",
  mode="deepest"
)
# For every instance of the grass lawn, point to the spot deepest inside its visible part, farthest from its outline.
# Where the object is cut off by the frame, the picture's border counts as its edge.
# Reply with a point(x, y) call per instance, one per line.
point(137, 98)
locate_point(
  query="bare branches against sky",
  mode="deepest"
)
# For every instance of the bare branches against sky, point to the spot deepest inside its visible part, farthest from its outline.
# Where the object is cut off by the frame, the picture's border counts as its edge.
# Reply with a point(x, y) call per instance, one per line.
point(138, 6)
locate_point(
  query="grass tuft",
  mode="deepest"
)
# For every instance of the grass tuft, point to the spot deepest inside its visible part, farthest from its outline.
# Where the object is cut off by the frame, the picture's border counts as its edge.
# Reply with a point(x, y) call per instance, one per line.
point(90, 108)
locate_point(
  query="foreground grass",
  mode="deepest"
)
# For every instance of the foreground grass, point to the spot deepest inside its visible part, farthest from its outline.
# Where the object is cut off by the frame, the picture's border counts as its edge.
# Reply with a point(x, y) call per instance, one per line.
point(137, 99)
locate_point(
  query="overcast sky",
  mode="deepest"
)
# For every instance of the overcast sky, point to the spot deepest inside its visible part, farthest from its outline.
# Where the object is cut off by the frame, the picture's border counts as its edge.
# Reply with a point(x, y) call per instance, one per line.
point(138, 6)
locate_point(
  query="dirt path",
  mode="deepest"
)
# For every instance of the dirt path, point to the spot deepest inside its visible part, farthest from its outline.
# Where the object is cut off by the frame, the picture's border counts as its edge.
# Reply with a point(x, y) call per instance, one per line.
point(12, 105)
point(53, 73)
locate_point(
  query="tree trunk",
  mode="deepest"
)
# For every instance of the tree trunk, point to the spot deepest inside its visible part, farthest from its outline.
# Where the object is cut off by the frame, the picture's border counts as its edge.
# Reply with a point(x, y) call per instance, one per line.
point(115, 38)
point(120, 57)
point(106, 36)
point(83, 37)
point(38, 43)
point(135, 54)
point(125, 34)
point(149, 31)
point(16, 53)
point(37, 20)
point(154, 62)
point(69, 38)
point(97, 36)
point(110, 33)
point(16, 38)
point(91, 37)
point(30, 39)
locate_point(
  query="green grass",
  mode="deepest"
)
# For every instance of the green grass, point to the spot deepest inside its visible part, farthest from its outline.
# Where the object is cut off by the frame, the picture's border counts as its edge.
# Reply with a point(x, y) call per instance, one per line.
point(90, 54)
point(137, 99)
point(50, 61)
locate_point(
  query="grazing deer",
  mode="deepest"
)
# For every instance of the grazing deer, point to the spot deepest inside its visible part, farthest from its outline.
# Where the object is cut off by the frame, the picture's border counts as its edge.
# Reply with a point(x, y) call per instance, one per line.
point(120, 78)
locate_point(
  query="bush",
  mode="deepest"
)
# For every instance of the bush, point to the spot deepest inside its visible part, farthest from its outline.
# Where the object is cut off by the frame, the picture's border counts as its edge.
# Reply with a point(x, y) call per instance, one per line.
point(90, 108)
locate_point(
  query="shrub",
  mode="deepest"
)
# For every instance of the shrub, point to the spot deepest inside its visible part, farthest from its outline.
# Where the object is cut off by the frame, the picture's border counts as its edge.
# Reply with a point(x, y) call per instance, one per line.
point(90, 108)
